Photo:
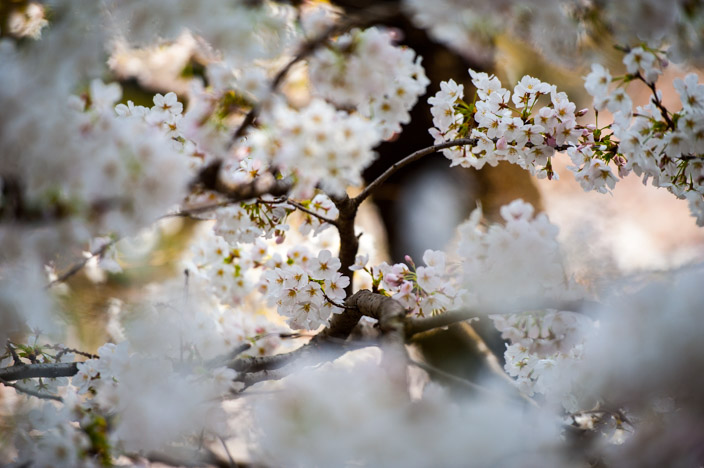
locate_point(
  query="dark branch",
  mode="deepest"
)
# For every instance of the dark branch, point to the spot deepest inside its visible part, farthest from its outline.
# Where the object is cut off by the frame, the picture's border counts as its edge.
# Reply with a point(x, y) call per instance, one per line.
point(387, 311)
point(299, 207)
point(311, 212)
point(209, 179)
point(227, 358)
point(341, 325)
point(15, 358)
point(420, 325)
point(45, 370)
point(252, 378)
point(656, 100)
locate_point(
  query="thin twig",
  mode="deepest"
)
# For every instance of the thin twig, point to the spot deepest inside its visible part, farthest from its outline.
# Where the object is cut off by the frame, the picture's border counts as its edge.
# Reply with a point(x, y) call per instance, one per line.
point(227, 451)
point(15, 358)
point(208, 178)
point(408, 160)
point(29, 391)
point(656, 100)
point(79, 265)
point(224, 359)
point(188, 213)
point(459, 380)
point(311, 212)
point(63, 350)
point(300, 207)
point(183, 456)
point(420, 325)
point(341, 306)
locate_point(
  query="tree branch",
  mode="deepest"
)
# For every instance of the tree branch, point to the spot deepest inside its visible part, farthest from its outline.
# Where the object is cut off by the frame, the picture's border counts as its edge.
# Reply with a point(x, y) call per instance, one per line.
point(420, 325)
point(301, 208)
point(387, 311)
point(191, 212)
point(453, 378)
point(227, 358)
point(406, 161)
point(341, 325)
point(185, 457)
point(78, 266)
point(44, 370)
point(656, 100)
point(28, 391)
point(209, 179)
point(249, 379)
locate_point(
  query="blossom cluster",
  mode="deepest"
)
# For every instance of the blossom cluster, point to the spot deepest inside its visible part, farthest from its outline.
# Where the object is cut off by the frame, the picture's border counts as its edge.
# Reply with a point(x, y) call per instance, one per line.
point(107, 164)
point(364, 70)
point(541, 346)
point(307, 289)
point(522, 255)
point(316, 145)
point(655, 143)
point(145, 391)
point(371, 425)
point(49, 434)
point(164, 370)
point(424, 290)
point(248, 222)
point(508, 126)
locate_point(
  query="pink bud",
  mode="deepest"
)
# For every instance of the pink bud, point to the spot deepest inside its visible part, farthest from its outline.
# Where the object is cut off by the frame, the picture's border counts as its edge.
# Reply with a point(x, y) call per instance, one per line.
point(393, 280)
point(501, 144)
point(582, 112)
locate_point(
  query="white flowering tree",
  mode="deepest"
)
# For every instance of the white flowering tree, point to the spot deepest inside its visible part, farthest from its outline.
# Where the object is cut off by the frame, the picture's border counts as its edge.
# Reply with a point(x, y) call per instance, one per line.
point(286, 342)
